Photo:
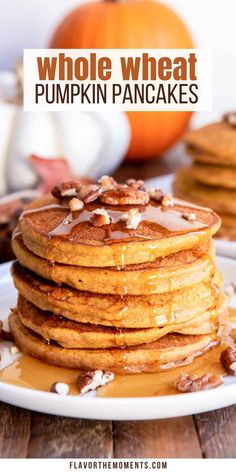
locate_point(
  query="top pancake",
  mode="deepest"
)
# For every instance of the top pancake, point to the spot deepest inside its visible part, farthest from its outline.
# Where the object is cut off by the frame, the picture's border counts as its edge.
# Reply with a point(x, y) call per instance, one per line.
point(162, 231)
point(214, 143)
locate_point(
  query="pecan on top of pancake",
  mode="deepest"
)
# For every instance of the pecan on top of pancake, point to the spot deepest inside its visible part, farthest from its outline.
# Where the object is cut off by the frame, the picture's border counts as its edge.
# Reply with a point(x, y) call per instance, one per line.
point(132, 192)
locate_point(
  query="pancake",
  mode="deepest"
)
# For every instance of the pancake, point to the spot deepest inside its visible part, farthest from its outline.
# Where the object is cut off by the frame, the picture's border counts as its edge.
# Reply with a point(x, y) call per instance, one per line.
point(70, 334)
point(201, 157)
point(177, 271)
point(228, 229)
point(116, 277)
point(169, 351)
point(215, 143)
point(212, 175)
point(222, 200)
point(50, 231)
point(109, 310)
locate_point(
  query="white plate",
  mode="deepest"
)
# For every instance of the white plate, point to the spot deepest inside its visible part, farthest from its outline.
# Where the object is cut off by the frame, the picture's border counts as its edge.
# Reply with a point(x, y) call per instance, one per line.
point(223, 248)
point(114, 408)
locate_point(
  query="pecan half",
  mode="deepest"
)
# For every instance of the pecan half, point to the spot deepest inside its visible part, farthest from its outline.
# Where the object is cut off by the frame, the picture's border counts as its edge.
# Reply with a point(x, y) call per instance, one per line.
point(91, 380)
point(131, 218)
point(230, 118)
point(228, 360)
point(100, 217)
point(125, 196)
point(70, 189)
point(193, 383)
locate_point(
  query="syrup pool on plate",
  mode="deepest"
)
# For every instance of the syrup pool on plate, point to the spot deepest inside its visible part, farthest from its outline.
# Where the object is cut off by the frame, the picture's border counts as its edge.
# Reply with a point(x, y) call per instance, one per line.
point(31, 373)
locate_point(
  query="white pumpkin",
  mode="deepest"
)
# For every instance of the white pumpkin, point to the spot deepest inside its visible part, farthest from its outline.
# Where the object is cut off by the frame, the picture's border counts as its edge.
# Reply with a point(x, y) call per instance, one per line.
point(94, 143)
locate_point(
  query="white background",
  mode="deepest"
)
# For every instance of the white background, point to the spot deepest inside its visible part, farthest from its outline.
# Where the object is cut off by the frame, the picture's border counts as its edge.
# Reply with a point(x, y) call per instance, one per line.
point(28, 23)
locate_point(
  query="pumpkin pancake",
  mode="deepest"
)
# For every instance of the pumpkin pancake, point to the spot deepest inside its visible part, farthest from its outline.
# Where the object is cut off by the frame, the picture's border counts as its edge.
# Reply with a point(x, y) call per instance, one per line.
point(212, 175)
point(110, 310)
point(214, 143)
point(174, 272)
point(52, 232)
point(221, 199)
point(116, 277)
point(70, 334)
point(169, 351)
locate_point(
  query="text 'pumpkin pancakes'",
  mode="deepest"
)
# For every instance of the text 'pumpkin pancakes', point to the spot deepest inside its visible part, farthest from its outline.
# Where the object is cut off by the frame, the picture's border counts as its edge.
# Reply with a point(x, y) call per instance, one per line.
point(116, 277)
point(211, 178)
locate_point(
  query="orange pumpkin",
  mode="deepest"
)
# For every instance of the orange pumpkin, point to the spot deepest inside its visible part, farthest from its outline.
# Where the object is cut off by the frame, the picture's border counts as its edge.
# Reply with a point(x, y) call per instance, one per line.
point(131, 24)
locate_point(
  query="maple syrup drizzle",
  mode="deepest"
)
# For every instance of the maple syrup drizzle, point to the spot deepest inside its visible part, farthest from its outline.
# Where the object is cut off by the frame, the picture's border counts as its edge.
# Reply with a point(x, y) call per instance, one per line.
point(31, 373)
point(119, 338)
point(167, 218)
point(118, 310)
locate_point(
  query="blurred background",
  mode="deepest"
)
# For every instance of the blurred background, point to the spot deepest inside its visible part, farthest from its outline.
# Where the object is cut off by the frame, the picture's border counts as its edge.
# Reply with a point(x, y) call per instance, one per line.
point(38, 149)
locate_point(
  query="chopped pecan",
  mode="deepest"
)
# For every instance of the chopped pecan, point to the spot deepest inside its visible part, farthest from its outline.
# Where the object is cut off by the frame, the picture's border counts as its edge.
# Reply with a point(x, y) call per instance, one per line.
point(14, 350)
point(230, 118)
point(156, 194)
point(190, 216)
point(91, 380)
point(131, 218)
point(107, 182)
point(193, 383)
point(86, 193)
point(228, 360)
point(136, 184)
point(90, 193)
point(70, 188)
point(168, 200)
point(125, 196)
point(75, 204)
point(100, 217)
point(60, 388)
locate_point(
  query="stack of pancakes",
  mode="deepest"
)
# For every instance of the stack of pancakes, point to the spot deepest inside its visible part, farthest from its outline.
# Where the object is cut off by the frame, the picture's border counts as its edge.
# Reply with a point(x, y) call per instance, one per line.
point(211, 179)
point(137, 291)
